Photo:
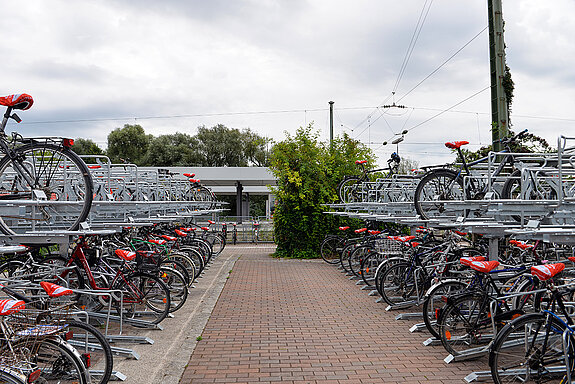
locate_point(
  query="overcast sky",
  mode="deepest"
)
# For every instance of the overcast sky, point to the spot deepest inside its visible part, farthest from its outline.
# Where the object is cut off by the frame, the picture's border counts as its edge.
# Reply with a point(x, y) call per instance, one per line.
point(273, 66)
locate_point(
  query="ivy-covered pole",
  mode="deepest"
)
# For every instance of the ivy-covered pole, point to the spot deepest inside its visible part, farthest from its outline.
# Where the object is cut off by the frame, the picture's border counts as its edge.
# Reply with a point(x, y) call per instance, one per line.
point(497, 65)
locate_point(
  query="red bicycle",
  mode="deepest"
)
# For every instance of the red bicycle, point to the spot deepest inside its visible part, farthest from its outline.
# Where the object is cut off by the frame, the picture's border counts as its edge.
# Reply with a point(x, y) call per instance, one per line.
point(144, 295)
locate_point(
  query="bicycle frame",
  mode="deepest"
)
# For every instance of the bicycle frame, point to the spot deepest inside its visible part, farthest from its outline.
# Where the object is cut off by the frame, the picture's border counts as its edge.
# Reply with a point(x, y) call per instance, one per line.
point(79, 255)
point(508, 160)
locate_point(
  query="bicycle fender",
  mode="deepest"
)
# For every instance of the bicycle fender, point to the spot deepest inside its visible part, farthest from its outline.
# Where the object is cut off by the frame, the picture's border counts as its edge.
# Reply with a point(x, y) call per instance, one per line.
point(430, 289)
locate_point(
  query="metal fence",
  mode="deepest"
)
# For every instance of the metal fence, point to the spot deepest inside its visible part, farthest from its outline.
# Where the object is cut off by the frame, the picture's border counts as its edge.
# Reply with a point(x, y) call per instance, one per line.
point(247, 229)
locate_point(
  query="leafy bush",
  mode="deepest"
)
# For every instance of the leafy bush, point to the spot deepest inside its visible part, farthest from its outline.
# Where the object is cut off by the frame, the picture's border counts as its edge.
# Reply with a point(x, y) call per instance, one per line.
point(307, 173)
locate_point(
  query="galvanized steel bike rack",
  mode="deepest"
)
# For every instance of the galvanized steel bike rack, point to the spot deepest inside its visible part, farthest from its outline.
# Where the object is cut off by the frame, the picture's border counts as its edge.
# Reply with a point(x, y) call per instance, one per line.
point(544, 208)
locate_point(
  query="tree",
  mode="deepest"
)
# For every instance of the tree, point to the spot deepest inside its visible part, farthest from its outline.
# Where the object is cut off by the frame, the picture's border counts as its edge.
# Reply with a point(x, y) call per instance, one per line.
point(255, 148)
point(407, 165)
point(177, 150)
point(129, 143)
point(86, 147)
point(221, 146)
point(307, 173)
point(218, 146)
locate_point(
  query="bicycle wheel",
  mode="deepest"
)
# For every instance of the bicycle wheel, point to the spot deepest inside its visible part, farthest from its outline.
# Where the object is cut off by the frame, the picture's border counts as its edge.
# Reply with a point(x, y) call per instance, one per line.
point(92, 345)
point(58, 190)
point(203, 196)
point(182, 264)
point(202, 246)
point(369, 266)
point(196, 257)
point(216, 241)
point(356, 258)
point(542, 191)
point(399, 284)
point(346, 189)
point(530, 350)
point(433, 303)
point(177, 285)
point(58, 361)
point(436, 187)
point(146, 297)
point(345, 255)
point(9, 376)
point(330, 248)
point(465, 323)
point(382, 268)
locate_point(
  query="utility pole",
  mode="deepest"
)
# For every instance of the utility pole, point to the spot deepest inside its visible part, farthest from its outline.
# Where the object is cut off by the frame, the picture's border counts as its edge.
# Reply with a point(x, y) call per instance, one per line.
point(331, 124)
point(499, 113)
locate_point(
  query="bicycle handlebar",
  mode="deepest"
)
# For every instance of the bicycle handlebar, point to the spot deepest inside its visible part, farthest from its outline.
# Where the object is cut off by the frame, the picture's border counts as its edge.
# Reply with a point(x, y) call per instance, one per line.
point(394, 157)
point(507, 140)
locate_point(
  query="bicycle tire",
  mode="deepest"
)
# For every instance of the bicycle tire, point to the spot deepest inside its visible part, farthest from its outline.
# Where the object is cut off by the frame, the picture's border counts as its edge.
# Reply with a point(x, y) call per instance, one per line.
point(398, 284)
point(9, 376)
point(356, 258)
point(146, 297)
point(382, 267)
point(182, 264)
point(345, 255)
point(507, 350)
point(216, 241)
point(433, 303)
point(200, 245)
point(196, 257)
point(330, 247)
point(346, 190)
point(463, 322)
point(57, 360)
point(176, 283)
point(436, 186)
point(202, 195)
point(87, 339)
point(368, 268)
point(59, 176)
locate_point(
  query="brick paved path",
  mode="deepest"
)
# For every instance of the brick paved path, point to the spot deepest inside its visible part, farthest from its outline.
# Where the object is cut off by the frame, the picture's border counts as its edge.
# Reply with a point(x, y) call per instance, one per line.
point(293, 321)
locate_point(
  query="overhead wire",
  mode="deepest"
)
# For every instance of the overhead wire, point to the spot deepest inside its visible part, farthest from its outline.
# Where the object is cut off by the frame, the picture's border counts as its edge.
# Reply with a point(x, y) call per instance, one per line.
point(412, 43)
point(179, 116)
point(448, 109)
point(442, 64)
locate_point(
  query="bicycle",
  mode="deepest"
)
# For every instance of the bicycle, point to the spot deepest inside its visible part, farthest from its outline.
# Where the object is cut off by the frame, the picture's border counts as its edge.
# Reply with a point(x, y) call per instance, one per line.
point(538, 347)
point(332, 245)
point(442, 184)
point(91, 344)
point(256, 232)
point(43, 184)
point(35, 351)
point(144, 294)
point(349, 189)
point(472, 317)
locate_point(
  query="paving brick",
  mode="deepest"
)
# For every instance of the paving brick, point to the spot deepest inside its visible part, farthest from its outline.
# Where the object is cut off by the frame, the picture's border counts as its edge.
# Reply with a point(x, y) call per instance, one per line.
point(294, 321)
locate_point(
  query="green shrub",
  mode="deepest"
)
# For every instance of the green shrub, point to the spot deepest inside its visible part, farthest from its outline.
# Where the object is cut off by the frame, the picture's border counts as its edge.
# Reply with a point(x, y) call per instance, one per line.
point(308, 172)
